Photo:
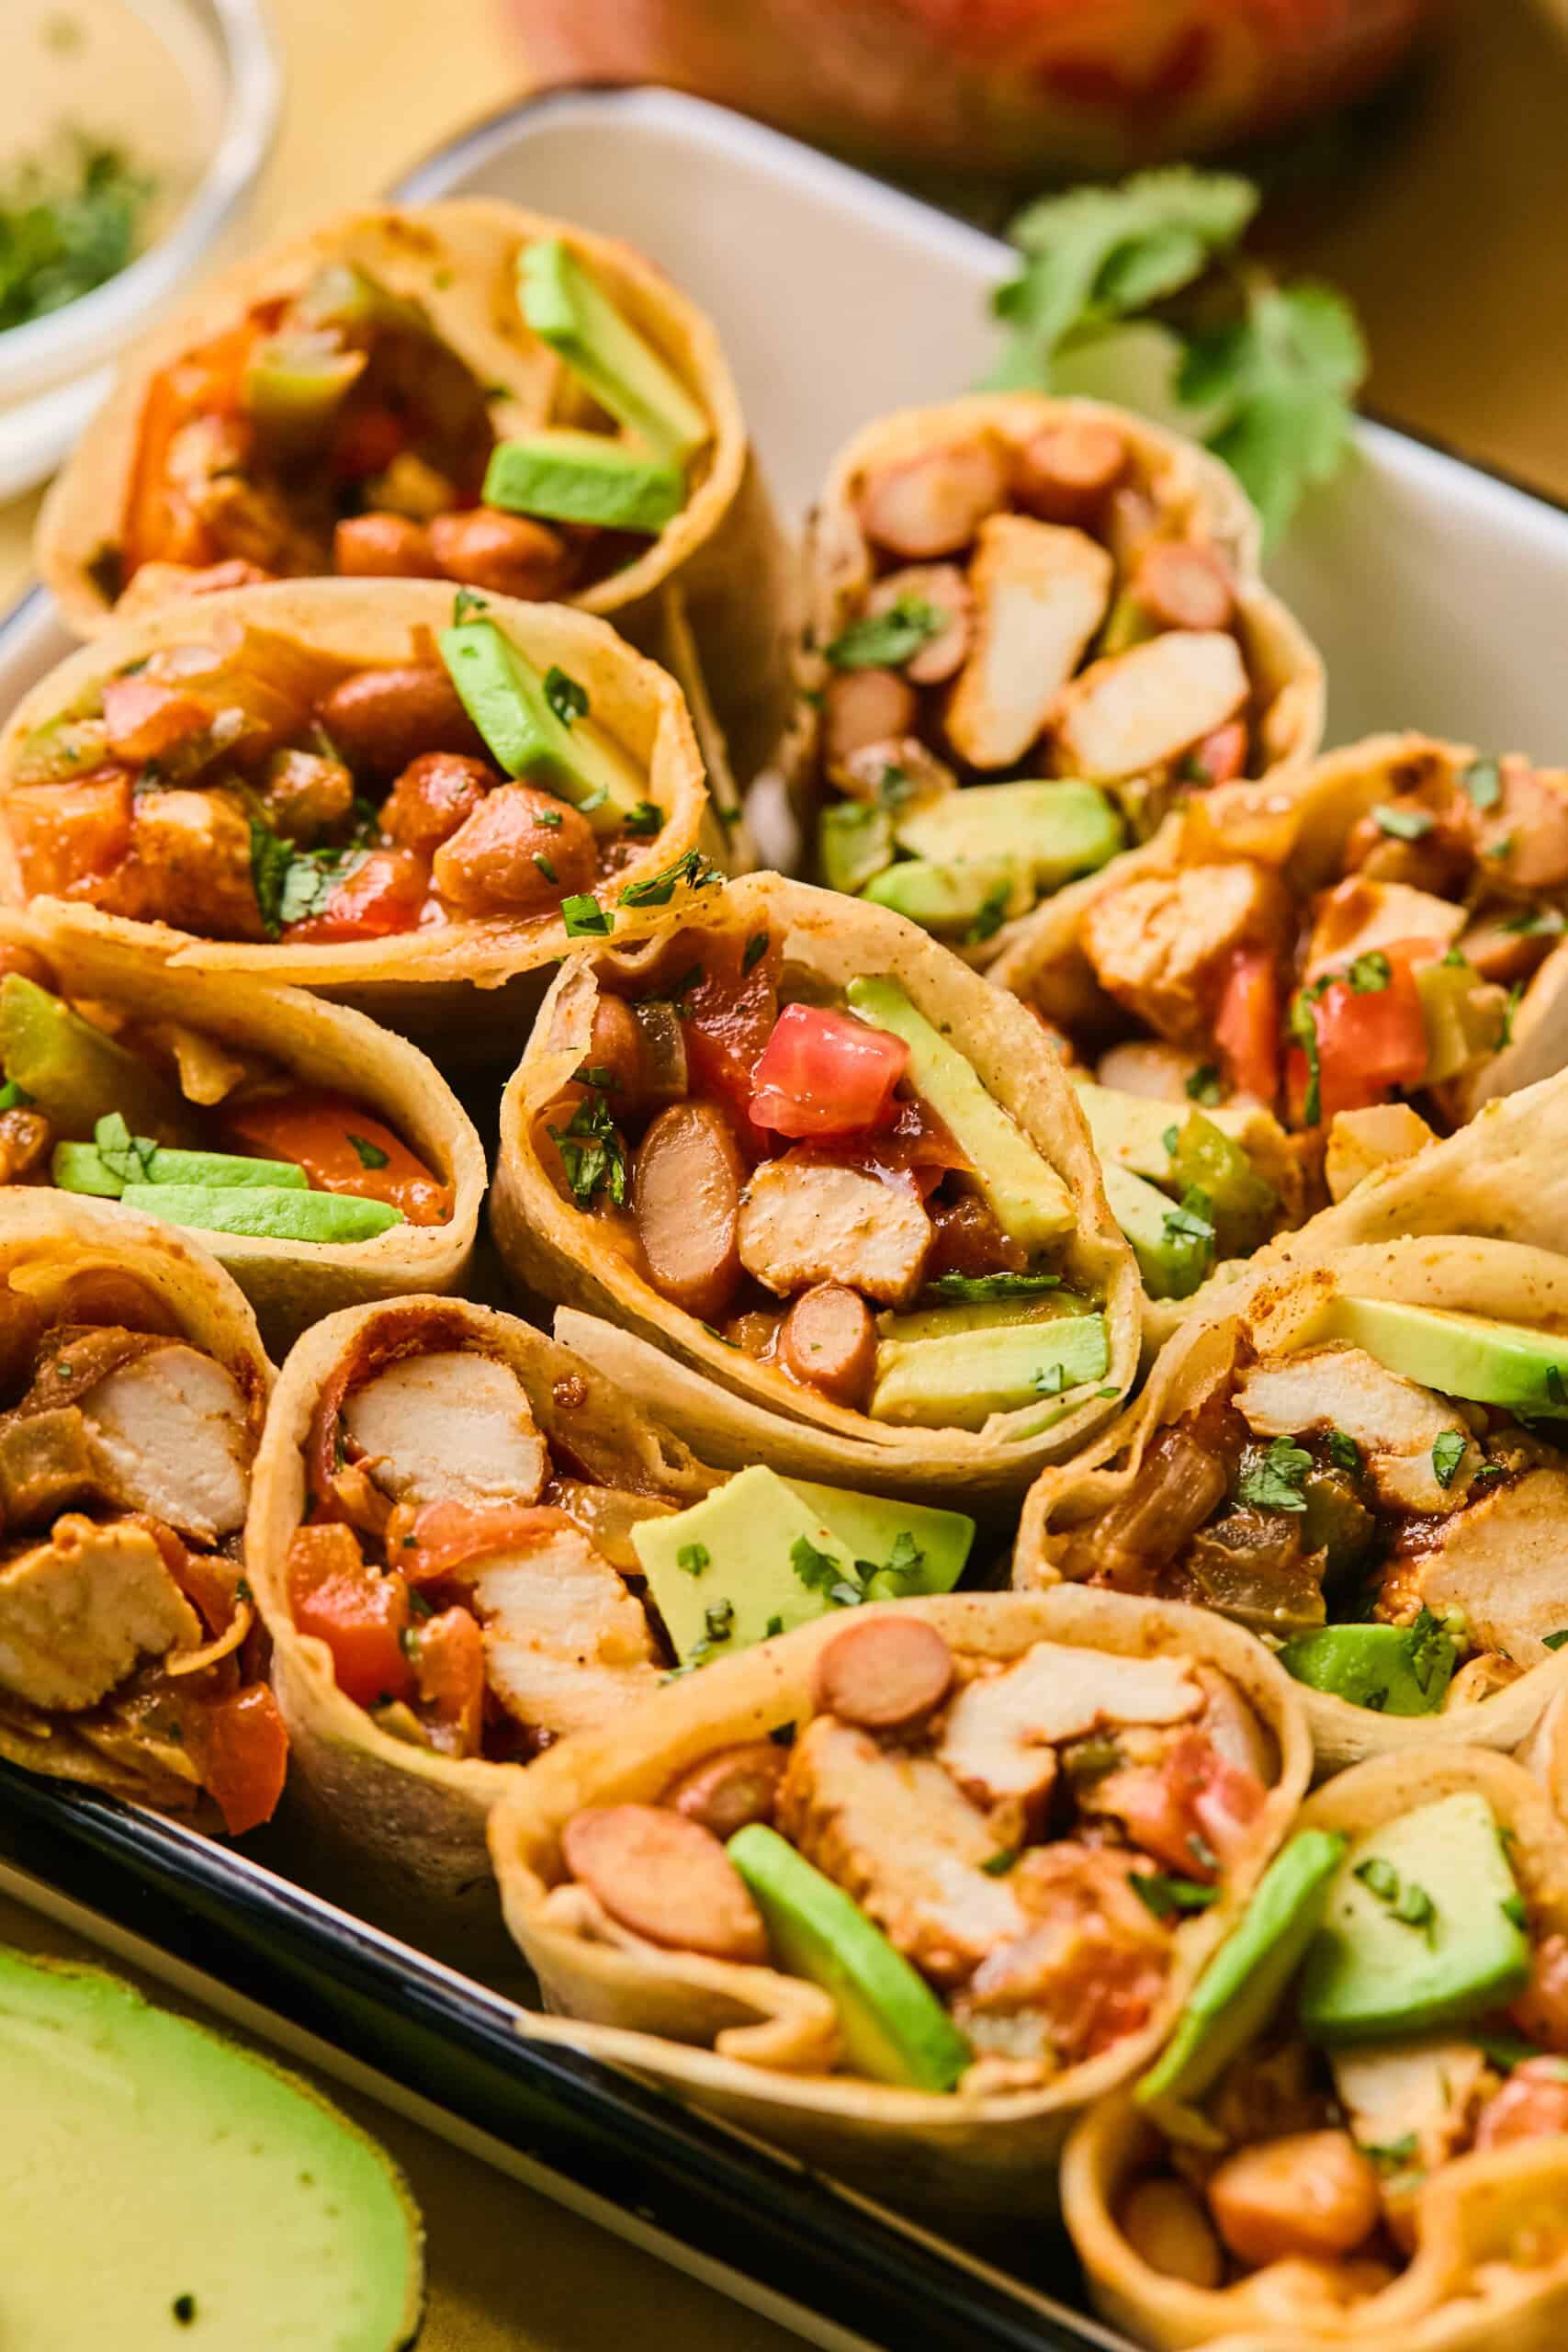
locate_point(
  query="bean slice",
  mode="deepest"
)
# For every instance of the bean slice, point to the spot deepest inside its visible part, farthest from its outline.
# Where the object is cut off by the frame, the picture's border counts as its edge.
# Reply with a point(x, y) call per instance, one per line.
point(666, 1877)
point(687, 1200)
point(728, 1791)
point(828, 1340)
point(884, 1673)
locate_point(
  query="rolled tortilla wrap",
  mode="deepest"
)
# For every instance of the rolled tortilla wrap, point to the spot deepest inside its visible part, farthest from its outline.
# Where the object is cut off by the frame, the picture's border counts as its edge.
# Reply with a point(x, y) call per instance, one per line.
point(808, 946)
point(757, 2045)
point(456, 262)
point(393, 1795)
point(1485, 2261)
point(1492, 1555)
point(126, 1658)
point(416, 958)
point(240, 1036)
point(1071, 655)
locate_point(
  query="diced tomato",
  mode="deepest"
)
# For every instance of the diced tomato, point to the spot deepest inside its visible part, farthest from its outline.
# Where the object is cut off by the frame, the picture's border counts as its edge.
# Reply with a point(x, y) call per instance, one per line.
point(1532, 2103)
point(247, 1756)
point(145, 718)
point(1371, 1042)
point(914, 1144)
point(445, 1536)
point(727, 1020)
point(367, 441)
point(360, 1613)
point(342, 1149)
point(1194, 1810)
point(450, 1664)
point(1246, 1023)
point(386, 894)
point(160, 522)
point(825, 1073)
point(68, 835)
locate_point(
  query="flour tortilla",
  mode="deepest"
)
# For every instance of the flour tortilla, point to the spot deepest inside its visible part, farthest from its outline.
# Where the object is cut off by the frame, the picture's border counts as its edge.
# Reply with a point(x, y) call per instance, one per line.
point(422, 980)
point(1451, 2296)
point(45, 1237)
point(1275, 1298)
point(726, 2037)
point(400, 1826)
point(731, 1408)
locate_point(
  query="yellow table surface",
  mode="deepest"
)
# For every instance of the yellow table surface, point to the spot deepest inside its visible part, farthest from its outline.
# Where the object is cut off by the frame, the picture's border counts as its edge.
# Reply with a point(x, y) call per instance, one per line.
point(1453, 245)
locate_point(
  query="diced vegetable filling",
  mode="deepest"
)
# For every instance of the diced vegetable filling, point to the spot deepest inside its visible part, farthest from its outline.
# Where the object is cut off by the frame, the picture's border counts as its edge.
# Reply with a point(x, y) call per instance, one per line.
point(1036, 608)
point(828, 1187)
point(246, 785)
point(126, 1624)
point(984, 1865)
point(180, 1124)
point(335, 430)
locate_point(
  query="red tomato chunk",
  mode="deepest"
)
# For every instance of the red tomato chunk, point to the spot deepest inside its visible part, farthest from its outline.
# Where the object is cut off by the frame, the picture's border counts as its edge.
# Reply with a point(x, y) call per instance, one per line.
point(826, 1074)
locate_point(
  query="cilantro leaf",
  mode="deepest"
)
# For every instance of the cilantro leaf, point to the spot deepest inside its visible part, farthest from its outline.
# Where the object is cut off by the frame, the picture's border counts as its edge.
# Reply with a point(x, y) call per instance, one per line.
point(1405, 824)
point(1205, 1086)
point(974, 1289)
point(989, 915)
point(370, 1155)
point(692, 870)
point(1447, 1453)
point(1286, 370)
point(270, 858)
point(585, 918)
point(1484, 783)
point(1344, 1452)
point(883, 641)
point(1166, 1897)
point(694, 1558)
point(1273, 1480)
point(566, 697)
point(642, 820)
point(591, 1153)
point(1371, 973)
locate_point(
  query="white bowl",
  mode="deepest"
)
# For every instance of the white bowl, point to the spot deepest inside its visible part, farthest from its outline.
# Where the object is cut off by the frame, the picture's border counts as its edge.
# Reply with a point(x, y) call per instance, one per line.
point(55, 370)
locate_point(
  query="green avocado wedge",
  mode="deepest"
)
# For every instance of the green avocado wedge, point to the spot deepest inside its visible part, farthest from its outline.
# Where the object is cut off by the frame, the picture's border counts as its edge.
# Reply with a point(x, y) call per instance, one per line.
point(1053, 830)
point(1174, 1246)
point(81, 1168)
point(1393, 1670)
point(1472, 1356)
point(566, 308)
point(506, 698)
point(75, 1074)
point(265, 1213)
point(585, 478)
point(893, 2026)
point(958, 1382)
point(163, 2187)
point(1242, 1985)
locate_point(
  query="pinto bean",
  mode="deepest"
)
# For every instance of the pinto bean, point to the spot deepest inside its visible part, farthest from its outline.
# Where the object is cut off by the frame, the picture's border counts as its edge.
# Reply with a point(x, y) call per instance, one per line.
point(383, 547)
point(433, 796)
point(828, 1340)
point(1182, 585)
point(380, 719)
point(945, 588)
point(508, 554)
point(884, 1673)
point(934, 503)
point(687, 1200)
point(1532, 2103)
point(728, 1791)
point(520, 853)
point(1063, 473)
point(1164, 2222)
point(1307, 2193)
point(665, 1877)
point(866, 707)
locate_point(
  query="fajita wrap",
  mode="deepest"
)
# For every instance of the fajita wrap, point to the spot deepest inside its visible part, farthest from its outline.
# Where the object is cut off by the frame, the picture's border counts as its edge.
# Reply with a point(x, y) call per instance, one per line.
point(1334, 2152)
point(880, 1953)
point(1031, 626)
point(461, 390)
point(323, 1160)
point(134, 1386)
point(1302, 979)
point(1359, 1456)
point(825, 1191)
point(365, 787)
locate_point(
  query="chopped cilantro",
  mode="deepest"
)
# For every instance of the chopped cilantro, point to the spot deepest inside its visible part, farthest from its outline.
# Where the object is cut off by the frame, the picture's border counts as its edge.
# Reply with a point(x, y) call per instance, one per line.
point(1274, 1482)
point(1371, 973)
point(1343, 1451)
point(465, 605)
point(1513, 1909)
point(883, 640)
point(990, 916)
point(1379, 1877)
point(1447, 1453)
point(817, 1570)
point(1556, 1641)
point(1051, 1379)
point(1390, 2156)
point(1483, 783)
point(1191, 1221)
point(1303, 1028)
point(545, 866)
point(549, 818)
point(1405, 824)
point(369, 1155)
point(755, 949)
point(566, 697)
point(585, 918)
point(642, 820)
point(593, 1154)
point(694, 1558)
point(775, 1626)
point(1167, 1897)
point(693, 870)
point(998, 1865)
point(1205, 1086)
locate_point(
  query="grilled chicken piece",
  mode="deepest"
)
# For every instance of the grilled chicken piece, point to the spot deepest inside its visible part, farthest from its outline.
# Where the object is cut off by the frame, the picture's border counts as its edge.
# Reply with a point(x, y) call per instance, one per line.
point(1089, 1969)
point(450, 1426)
point(46, 1465)
point(168, 1434)
point(190, 864)
point(1362, 1142)
point(896, 1834)
point(1427, 2088)
point(1140, 709)
point(1157, 945)
point(1040, 594)
point(566, 1646)
point(1501, 1561)
point(999, 1739)
point(805, 1220)
point(78, 1612)
point(1394, 1422)
point(1358, 915)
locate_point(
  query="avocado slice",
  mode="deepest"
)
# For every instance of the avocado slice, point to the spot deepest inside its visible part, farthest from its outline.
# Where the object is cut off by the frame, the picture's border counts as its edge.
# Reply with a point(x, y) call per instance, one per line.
point(224, 2202)
point(1472, 1356)
point(1244, 1982)
point(761, 1554)
point(266, 1212)
point(958, 1382)
point(504, 695)
point(968, 895)
point(980, 1314)
point(585, 478)
point(1173, 1256)
point(894, 2028)
point(81, 1168)
point(1051, 830)
point(1028, 1200)
point(854, 841)
point(568, 309)
point(75, 1074)
point(1422, 1928)
point(1135, 1130)
point(1382, 1667)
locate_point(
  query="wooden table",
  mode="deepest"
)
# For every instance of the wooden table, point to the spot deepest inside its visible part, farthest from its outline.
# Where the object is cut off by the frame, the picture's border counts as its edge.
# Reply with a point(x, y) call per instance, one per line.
point(1454, 243)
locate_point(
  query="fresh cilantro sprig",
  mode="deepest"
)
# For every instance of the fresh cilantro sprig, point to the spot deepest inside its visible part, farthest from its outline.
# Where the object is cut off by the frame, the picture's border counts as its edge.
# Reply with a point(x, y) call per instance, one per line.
point(1264, 372)
point(591, 1153)
point(883, 641)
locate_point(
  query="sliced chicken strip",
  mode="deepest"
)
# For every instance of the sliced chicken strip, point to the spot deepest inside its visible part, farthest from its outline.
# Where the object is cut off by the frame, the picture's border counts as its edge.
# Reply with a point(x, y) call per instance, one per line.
point(1504, 1561)
point(78, 1612)
point(896, 1834)
point(168, 1434)
point(1040, 591)
point(566, 1646)
point(1396, 1422)
point(1357, 916)
point(802, 1220)
point(1000, 1740)
point(1427, 2089)
point(1135, 710)
point(1158, 944)
point(449, 1426)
